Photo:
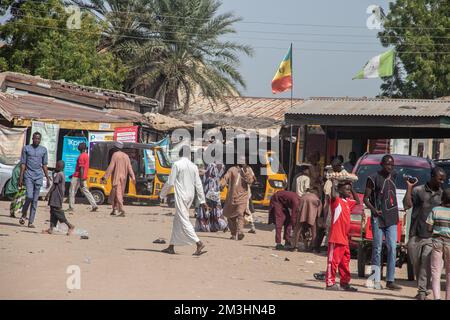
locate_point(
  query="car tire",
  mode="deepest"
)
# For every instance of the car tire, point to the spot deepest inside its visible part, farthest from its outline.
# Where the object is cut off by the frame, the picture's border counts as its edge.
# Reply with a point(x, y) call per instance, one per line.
point(409, 269)
point(99, 196)
point(362, 257)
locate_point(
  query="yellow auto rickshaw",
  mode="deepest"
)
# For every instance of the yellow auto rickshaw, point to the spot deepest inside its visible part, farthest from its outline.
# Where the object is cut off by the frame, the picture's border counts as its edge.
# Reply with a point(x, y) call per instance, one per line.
point(150, 165)
point(266, 184)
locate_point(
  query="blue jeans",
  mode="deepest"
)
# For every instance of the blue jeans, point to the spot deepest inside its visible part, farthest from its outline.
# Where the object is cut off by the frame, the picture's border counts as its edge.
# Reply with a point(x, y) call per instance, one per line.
point(33, 188)
point(390, 234)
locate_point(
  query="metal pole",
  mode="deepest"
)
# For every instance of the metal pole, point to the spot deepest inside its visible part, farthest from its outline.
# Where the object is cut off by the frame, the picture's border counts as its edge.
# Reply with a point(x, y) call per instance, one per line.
point(290, 146)
point(290, 160)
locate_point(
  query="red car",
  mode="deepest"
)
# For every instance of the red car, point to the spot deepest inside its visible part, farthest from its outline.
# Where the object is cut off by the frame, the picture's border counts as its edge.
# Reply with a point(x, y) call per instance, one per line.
point(361, 229)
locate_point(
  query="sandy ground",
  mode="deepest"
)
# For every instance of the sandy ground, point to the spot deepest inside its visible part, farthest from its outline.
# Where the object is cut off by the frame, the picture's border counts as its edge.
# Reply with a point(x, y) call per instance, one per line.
point(119, 261)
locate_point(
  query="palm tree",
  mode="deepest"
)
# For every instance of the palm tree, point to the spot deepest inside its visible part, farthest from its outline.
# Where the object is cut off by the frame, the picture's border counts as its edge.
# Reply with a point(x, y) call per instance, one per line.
point(121, 23)
point(177, 49)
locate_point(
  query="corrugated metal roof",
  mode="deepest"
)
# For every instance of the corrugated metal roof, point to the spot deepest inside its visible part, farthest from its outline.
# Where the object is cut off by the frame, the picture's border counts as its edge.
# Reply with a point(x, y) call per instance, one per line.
point(73, 91)
point(271, 108)
point(372, 107)
point(30, 107)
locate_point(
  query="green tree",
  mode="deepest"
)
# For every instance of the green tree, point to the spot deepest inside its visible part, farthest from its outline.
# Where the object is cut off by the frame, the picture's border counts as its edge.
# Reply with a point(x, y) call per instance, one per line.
point(121, 21)
point(420, 32)
point(38, 42)
point(179, 49)
point(4, 5)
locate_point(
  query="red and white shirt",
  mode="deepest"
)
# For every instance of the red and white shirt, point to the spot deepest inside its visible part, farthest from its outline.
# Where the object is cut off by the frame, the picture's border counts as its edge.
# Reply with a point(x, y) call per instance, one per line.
point(340, 220)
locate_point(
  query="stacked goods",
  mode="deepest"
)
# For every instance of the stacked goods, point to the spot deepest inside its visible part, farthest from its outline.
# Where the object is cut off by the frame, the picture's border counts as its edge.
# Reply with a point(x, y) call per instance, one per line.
point(343, 176)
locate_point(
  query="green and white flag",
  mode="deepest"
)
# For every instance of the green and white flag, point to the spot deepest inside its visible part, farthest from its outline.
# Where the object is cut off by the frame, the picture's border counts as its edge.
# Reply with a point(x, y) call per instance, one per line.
point(377, 67)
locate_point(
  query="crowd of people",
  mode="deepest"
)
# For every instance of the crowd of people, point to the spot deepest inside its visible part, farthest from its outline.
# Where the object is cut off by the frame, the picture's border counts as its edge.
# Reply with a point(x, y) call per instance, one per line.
point(319, 210)
point(315, 212)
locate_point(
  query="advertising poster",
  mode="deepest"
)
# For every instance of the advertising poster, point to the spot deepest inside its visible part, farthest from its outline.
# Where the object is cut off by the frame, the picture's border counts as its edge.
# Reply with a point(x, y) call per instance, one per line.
point(49, 139)
point(11, 142)
point(149, 161)
point(70, 154)
point(126, 134)
point(99, 136)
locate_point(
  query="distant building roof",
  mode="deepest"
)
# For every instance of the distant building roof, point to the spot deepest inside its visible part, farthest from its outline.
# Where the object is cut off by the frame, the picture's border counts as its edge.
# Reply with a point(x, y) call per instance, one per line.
point(372, 107)
point(244, 112)
point(378, 113)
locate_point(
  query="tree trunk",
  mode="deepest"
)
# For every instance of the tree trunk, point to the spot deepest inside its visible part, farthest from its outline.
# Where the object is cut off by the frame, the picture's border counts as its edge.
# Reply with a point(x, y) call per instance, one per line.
point(170, 101)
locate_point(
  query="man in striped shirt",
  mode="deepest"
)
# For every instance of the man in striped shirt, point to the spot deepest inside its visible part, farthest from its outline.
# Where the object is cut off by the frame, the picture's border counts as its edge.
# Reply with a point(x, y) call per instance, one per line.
point(439, 223)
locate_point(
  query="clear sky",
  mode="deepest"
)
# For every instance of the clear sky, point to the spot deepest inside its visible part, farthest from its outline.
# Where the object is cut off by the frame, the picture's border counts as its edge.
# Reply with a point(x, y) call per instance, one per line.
point(318, 72)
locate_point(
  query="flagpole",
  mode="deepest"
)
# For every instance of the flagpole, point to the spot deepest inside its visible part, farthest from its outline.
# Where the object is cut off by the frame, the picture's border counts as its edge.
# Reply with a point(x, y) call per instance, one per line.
point(292, 77)
point(290, 146)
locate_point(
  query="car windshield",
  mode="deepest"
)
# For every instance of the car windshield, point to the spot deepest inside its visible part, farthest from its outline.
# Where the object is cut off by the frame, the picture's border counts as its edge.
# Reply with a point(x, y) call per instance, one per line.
point(275, 164)
point(364, 171)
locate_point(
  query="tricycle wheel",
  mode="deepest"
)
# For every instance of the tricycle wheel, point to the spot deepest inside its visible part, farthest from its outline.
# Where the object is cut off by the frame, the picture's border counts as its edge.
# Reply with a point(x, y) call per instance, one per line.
point(98, 196)
point(362, 258)
point(409, 268)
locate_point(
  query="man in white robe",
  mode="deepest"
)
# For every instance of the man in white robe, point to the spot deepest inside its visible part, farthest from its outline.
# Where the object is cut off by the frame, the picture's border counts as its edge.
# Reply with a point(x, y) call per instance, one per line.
point(185, 179)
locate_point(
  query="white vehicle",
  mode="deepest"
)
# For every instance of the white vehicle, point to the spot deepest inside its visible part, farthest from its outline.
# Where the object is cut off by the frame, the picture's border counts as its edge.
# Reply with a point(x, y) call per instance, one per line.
point(6, 174)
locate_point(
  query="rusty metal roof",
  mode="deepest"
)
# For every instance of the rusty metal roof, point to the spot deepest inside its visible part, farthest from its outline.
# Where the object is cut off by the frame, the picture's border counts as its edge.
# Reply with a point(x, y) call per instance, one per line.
point(238, 112)
point(372, 107)
point(32, 107)
point(270, 108)
point(98, 97)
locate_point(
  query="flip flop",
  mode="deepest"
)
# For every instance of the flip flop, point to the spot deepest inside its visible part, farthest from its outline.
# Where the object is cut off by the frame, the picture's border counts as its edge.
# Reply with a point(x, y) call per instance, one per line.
point(161, 241)
point(167, 251)
point(319, 276)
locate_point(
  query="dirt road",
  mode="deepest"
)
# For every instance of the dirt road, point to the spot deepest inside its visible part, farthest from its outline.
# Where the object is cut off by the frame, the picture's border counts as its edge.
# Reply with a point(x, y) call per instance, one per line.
point(119, 261)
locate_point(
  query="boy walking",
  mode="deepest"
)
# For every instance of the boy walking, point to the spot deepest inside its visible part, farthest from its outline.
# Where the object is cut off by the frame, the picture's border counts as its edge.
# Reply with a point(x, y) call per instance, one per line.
point(78, 180)
point(55, 199)
point(439, 223)
point(338, 247)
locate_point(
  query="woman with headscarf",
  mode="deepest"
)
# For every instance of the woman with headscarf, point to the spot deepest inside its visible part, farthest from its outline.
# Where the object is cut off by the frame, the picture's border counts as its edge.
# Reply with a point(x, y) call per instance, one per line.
point(213, 220)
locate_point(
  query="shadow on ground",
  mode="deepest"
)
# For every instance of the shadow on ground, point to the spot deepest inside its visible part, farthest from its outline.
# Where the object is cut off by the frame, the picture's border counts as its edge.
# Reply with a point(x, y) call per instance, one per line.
point(10, 224)
point(303, 285)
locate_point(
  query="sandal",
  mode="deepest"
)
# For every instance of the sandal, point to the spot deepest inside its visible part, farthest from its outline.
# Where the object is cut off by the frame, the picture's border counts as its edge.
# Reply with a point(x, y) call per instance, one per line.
point(167, 250)
point(199, 253)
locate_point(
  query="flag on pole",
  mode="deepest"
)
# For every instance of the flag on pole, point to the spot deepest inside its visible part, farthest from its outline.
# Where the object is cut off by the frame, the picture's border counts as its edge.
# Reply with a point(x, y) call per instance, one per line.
point(282, 80)
point(378, 67)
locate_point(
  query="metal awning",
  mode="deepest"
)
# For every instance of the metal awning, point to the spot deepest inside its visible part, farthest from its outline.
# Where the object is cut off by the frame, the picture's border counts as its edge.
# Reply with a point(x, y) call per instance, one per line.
point(379, 113)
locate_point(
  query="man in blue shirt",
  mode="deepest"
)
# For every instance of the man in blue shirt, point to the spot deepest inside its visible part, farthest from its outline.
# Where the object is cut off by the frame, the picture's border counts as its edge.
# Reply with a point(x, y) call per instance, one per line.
point(33, 167)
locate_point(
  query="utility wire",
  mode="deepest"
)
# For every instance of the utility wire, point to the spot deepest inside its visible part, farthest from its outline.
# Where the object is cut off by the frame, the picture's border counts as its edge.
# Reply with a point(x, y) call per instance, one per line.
point(253, 38)
point(157, 39)
point(90, 8)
